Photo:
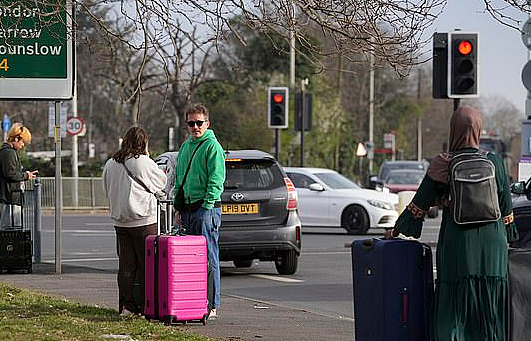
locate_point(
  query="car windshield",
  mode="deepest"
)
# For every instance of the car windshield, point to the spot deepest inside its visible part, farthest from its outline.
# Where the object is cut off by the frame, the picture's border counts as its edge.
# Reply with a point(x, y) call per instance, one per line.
point(388, 167)
point(252, 174)
point(336, 181)
point(405, 178)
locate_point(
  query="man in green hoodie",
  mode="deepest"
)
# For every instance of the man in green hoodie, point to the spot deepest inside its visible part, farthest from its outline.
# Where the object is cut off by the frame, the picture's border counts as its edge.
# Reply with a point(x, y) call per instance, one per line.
point(202, 187)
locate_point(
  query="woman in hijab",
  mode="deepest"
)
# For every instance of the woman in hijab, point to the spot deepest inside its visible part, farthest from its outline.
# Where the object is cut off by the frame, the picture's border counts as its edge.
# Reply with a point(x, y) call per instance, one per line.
point(471, 284)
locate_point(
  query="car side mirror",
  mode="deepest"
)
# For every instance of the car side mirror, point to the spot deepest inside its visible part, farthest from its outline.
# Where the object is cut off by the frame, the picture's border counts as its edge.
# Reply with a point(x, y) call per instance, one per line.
point(316, 187)
point(379, 186)
point(518, 188)
point(522, 187)
point(373, 180)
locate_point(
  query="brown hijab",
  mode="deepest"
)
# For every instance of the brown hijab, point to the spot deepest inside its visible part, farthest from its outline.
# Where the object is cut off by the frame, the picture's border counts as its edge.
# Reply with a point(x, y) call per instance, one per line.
point(465, 129)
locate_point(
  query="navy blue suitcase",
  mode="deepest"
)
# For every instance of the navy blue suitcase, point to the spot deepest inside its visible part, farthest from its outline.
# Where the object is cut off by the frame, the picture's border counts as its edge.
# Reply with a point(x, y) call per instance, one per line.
point(393, 289)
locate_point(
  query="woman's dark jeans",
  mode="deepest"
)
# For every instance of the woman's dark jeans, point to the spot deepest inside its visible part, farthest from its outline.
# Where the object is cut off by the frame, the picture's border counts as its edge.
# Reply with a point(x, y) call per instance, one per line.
point(131, 258)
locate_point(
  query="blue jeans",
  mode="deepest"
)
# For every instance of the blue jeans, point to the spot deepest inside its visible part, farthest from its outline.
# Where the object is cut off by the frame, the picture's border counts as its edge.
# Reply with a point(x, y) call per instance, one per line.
point(207, 223)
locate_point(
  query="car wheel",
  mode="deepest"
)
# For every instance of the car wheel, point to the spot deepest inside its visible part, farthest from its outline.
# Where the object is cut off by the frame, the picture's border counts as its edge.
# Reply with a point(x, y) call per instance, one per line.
point(242, 263)
point(287, 263)
point(355, 220)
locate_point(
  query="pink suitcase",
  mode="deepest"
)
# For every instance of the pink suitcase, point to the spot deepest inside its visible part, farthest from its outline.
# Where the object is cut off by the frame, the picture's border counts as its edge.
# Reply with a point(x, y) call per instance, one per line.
point(176, 278)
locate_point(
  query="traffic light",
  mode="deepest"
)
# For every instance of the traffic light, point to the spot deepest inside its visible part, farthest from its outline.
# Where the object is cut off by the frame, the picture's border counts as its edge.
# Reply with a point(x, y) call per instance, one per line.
point(440, 65)
point(277, 107)
point(463, 67)
point(303, 111)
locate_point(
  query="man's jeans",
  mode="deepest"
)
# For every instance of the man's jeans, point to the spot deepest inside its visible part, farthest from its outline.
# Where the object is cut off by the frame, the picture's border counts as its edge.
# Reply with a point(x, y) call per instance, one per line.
point(207, 223)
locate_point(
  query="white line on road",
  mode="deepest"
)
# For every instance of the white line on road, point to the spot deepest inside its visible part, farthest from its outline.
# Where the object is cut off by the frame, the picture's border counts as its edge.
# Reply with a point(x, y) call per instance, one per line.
point(82, 260)
point(91, 232)
point(277, 278)
point(338, 317)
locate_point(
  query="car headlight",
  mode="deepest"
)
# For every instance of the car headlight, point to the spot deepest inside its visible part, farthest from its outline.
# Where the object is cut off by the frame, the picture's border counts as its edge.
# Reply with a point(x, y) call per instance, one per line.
point(380, 204)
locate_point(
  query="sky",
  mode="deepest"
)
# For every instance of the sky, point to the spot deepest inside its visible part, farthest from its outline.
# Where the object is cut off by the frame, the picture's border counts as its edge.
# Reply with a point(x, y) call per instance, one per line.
point(502, 52)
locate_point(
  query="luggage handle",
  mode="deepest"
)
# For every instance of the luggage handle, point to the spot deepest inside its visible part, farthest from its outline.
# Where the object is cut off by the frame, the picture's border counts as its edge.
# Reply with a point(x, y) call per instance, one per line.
point(168, 216)
point(404, 306)
point(368, 243)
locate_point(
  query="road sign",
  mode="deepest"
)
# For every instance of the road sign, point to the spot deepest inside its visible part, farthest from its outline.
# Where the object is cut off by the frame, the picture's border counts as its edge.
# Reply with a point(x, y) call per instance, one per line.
point(526, 34)
point(526, 75)
point(6, 124)
point(369, 146)
point(51, 120)
point(361, 150)
point(36, 50)
point(74, 125)
point(389, 141)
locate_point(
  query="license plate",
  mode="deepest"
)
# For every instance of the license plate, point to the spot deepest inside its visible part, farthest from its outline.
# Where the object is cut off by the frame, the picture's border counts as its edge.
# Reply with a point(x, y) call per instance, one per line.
point(239, 209)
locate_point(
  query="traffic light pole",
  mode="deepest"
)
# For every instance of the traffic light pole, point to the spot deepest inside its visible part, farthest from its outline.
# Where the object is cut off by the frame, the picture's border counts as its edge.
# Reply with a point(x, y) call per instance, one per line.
point(457, 101)
point(302, 127)
point(277, 143)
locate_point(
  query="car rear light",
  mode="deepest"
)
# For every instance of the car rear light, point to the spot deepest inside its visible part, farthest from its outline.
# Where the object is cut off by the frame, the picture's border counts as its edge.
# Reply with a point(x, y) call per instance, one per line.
point(292, 194)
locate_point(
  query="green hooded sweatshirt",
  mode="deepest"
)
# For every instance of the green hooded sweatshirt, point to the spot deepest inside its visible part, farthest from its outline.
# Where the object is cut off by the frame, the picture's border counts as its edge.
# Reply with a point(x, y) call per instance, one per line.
point(207, 172)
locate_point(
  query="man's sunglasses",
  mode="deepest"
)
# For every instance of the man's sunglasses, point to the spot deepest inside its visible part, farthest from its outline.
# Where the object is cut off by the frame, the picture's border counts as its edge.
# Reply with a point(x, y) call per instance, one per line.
point(197, 123)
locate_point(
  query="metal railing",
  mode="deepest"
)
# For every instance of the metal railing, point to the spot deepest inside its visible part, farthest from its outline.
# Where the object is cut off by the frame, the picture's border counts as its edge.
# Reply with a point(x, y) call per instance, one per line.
point(78, 193)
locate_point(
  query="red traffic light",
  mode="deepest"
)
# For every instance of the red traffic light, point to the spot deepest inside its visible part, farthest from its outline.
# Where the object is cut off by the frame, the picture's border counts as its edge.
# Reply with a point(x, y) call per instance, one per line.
point(278, 98)
point(465, 47)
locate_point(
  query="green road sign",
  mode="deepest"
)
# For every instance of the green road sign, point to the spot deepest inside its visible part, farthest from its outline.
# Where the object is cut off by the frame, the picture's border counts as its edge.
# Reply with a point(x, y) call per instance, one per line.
point(36, 49)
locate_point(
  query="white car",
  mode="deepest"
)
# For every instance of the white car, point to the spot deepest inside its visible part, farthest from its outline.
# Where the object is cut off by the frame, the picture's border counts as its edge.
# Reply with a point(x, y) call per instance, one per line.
point(328, 199)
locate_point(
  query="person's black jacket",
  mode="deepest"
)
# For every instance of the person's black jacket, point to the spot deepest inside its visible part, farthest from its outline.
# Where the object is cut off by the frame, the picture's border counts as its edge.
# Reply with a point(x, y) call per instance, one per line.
point(11, 175)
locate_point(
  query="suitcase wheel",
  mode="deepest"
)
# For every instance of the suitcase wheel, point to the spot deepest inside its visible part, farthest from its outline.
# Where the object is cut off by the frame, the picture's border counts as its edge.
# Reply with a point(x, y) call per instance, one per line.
point(204, 319)
point(168, 320)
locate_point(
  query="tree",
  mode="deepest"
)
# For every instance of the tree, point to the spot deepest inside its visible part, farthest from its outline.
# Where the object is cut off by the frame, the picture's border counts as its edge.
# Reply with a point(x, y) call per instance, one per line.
point(500, 117)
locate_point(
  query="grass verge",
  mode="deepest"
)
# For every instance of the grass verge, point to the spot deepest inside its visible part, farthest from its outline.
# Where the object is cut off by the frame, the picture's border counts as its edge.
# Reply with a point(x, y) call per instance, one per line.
point(26, 315)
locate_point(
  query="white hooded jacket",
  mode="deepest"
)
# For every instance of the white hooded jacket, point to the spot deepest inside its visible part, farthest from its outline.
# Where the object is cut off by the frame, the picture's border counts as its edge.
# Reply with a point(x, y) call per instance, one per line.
point(130, 204)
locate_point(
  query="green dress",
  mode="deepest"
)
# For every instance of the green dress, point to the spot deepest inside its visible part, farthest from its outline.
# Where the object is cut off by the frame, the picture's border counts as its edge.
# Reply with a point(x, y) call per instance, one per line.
point(471, 283)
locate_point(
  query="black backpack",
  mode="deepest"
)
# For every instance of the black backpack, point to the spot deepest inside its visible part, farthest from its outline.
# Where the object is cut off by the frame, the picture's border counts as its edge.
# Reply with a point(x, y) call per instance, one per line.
point(473, 189)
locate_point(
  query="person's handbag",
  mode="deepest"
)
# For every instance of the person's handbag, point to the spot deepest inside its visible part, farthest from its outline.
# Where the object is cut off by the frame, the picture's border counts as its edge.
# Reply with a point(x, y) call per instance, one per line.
point(179, 196)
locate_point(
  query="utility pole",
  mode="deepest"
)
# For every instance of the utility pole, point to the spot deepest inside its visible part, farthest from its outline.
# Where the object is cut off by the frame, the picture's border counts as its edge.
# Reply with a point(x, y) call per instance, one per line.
point(291, 62)
point(419, 121)
point(371, 105)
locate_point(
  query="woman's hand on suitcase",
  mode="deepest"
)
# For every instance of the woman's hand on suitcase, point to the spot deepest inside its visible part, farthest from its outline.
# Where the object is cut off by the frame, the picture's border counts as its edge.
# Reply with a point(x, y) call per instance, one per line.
point(392, 233)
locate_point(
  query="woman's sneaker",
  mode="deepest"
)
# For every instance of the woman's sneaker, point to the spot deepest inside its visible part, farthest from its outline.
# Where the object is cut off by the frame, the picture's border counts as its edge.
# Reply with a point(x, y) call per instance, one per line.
point(126, 312)
point(212, 314)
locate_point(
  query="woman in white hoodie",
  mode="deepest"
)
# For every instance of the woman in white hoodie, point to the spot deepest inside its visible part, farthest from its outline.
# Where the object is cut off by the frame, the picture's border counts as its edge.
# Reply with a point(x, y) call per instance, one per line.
point(131, 180)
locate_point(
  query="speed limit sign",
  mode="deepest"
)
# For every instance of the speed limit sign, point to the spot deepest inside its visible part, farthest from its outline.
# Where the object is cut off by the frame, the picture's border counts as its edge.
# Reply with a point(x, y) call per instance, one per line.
point(74, 125)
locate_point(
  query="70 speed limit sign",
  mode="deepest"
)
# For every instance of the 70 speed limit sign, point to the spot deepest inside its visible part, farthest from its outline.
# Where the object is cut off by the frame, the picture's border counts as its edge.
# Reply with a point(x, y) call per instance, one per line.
point(74, 125)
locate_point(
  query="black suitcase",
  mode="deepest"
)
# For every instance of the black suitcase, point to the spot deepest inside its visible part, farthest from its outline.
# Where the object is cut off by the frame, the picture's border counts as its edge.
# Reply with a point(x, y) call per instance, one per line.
point(16, 246)
point(393, 290)
point(519, 294)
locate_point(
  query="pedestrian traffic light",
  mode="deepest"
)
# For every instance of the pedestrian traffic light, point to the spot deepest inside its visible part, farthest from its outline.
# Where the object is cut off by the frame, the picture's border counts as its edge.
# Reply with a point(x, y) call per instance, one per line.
point(463, 70)
point(277, 107)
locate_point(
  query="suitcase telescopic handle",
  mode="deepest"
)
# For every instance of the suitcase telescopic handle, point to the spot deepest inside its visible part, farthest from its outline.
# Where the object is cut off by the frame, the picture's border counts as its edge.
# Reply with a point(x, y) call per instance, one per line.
point(404, 306)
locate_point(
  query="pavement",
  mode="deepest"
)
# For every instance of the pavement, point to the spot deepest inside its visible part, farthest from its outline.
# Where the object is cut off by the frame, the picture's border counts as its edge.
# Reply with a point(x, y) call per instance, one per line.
point(238, 318)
